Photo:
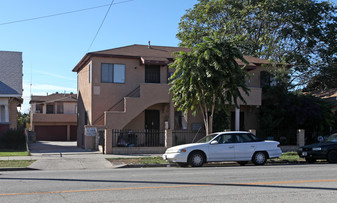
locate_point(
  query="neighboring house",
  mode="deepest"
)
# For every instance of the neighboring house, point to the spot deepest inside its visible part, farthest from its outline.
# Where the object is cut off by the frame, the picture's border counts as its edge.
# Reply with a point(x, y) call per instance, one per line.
point(127, 88)
point(54, 117)
point(10, 89)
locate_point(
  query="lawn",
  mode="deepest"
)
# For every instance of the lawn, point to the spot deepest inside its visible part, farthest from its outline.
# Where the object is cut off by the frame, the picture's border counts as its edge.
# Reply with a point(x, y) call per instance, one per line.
point(11, 152)
point(15, 163)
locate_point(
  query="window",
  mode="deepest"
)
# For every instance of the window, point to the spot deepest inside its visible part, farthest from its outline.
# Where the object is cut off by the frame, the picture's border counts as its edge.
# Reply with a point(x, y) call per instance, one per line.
point(3, 116)
point(50, 108)
point(39, 108)
point(60, 108)
point(90, 73)
point(112, 73)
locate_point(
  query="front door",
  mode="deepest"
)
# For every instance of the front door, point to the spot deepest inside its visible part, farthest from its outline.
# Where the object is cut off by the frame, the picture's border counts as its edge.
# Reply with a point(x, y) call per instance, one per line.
point(224, 150)
point(152, 74)
point(152, 120)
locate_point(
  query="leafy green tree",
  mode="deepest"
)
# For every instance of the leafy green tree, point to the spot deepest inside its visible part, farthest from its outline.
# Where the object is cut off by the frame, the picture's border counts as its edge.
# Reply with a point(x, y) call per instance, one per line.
point(298, 32)
point(207, 78)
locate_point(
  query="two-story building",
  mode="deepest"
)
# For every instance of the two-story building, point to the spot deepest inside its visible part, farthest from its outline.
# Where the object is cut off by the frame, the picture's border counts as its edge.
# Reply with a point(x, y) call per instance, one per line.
point(10, 89)
point(54, 117)
point(127, 88)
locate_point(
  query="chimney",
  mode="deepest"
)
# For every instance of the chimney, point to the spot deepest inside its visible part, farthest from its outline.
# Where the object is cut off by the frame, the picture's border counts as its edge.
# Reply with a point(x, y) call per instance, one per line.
point(149, 45)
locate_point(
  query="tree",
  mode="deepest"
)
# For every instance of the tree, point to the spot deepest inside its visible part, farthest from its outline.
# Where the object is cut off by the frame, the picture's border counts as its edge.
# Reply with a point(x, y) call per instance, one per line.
point(298, 32)
point(207, 78)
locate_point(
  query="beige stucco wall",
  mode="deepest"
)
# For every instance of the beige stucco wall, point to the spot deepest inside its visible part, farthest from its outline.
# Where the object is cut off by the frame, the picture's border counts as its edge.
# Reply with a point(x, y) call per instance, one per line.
point(12, 108)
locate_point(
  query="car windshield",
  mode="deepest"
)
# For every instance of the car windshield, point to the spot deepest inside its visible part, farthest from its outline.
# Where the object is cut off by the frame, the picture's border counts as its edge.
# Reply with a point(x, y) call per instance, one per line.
point(332, 138)
point(207, 138)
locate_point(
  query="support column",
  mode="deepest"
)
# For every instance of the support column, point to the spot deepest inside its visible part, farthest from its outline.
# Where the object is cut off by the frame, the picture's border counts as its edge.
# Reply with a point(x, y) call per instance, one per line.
point(68, 132)
point(168, 138)
point(171, 123)
point(300, 137)
point(237, 119)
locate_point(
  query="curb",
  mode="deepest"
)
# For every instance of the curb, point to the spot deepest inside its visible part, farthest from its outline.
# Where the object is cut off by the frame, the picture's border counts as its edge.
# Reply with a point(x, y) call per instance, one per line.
point(18, 169)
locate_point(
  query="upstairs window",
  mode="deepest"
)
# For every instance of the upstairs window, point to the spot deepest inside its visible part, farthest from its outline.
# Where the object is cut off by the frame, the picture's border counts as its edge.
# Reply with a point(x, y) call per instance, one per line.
point(112, 73)
point(59, 108)
point(50, 108)
point(38, 108)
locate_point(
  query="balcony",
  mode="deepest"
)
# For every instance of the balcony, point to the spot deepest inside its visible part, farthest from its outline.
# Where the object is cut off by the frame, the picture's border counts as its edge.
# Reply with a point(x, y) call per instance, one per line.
point(54, 118)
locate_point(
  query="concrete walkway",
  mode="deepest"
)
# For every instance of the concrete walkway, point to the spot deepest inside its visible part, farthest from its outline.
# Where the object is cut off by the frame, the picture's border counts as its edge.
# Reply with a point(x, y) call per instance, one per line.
point(51, 155)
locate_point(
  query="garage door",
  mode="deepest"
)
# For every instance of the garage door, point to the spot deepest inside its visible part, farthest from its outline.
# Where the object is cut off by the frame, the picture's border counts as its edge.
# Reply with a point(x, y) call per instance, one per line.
point(51, 133)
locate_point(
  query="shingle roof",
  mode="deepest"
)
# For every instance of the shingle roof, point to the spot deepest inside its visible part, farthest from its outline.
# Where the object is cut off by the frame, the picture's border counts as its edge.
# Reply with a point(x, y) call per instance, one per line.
point(57, 97)
point(328, 95)
point(5, 89)
point(155, 54)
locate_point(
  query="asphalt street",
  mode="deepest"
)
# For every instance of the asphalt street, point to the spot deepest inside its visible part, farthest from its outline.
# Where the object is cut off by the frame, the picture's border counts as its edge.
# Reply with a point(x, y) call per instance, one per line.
point(276, 183)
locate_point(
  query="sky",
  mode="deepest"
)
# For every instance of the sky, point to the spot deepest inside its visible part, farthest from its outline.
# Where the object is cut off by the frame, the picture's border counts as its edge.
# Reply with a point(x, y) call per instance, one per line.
point(53, 45)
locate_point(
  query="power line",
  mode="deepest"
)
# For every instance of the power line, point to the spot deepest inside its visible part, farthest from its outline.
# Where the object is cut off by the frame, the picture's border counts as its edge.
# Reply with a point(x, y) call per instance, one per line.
point(64, 13)
point(106, 14)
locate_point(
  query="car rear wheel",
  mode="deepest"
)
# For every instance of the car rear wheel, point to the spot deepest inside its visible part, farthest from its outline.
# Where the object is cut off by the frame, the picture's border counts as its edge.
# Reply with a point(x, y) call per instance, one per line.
point(259, 158)
point(332, 156)
point(242, 163)
point(196, 159)
point(310, 160)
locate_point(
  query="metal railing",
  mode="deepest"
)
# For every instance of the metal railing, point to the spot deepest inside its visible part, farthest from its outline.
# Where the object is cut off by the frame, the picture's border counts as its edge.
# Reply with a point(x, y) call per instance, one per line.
point(138, 138)
point(185, 137)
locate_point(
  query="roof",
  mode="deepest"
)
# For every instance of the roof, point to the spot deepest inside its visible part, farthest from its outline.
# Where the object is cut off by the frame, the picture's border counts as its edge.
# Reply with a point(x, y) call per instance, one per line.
point(7, 90)
point(329, 95)
point(57, 97)
point(160, 55)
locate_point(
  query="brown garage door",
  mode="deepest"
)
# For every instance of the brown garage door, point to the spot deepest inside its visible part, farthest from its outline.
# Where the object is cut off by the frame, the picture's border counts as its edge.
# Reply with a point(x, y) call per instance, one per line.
point(73, 133)
point(51, 133)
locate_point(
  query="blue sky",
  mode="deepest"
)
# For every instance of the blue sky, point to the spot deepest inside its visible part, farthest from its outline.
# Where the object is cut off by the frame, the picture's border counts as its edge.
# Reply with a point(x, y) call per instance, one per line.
point(53, 46)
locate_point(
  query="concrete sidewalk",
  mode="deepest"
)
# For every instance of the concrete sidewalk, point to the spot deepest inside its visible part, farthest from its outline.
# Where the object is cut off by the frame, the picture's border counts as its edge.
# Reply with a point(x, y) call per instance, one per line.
point(67, 156)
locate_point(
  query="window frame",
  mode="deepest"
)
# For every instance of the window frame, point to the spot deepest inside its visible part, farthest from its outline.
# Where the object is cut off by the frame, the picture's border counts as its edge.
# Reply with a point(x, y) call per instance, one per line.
point(112, 66)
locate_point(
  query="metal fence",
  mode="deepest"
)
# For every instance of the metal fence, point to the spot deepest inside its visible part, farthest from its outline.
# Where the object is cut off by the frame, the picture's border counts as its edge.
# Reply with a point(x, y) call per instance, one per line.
point(185, 137)
point(138, 138)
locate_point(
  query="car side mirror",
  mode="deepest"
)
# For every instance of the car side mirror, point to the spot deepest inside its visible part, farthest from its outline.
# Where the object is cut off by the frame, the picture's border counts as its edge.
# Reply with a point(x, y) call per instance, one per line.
point(214, 142)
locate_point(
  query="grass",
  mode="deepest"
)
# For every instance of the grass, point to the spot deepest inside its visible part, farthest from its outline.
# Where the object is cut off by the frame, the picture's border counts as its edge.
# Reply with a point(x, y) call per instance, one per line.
point(289, 157)
point(139, 161)
point(15, 163)
point(11, 152)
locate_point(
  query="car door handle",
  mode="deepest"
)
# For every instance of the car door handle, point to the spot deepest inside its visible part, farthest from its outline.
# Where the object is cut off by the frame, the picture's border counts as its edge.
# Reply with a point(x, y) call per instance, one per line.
point(252, 146)
point(231, 147)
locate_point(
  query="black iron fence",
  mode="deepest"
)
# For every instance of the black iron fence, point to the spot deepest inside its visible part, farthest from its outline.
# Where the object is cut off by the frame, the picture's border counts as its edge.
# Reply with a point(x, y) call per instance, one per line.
point(138, 138)
point(185, 137)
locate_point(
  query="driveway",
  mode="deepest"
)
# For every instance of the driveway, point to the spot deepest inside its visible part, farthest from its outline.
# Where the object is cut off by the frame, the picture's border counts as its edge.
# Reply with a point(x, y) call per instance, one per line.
point(53, 155)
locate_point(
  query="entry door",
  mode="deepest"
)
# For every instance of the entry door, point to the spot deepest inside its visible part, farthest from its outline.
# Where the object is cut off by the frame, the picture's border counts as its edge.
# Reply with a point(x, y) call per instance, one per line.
point(152, 74)
point(152, 127)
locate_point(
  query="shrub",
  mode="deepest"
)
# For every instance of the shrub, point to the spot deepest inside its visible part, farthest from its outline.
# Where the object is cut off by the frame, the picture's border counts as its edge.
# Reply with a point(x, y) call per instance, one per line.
point(14, 139)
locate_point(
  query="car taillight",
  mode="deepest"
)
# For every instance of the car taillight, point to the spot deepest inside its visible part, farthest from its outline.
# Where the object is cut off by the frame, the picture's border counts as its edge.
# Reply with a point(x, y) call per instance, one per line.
point(278, 145)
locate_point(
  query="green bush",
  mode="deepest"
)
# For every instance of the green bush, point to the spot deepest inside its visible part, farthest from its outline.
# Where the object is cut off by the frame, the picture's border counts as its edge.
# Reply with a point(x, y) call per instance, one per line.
point(14, 139)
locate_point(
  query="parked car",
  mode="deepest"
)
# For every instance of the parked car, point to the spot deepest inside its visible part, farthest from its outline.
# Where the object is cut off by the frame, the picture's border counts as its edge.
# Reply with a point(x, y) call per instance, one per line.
point(323, 150)
point(224, 146)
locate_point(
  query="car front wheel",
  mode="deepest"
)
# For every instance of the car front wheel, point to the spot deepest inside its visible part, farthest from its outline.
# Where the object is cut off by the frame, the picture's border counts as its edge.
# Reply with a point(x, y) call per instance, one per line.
point(259, 158)
point(332, 156)
point(196, 159)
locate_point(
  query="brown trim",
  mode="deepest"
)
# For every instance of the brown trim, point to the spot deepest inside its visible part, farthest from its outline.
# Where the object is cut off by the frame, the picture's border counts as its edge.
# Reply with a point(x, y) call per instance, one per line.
point(87, 57)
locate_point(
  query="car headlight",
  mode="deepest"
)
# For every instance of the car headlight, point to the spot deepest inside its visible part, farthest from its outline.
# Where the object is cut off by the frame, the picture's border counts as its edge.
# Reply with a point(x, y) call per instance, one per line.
point(169, 151)
point(316, 149)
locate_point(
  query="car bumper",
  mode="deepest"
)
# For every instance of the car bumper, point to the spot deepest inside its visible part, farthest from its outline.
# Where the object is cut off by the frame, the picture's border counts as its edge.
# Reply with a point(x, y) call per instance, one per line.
point(313, 154)
point(176, 157)
point(275, 153)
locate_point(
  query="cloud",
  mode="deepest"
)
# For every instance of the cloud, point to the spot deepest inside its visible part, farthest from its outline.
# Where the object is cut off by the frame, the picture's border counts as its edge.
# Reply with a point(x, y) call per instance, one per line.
point(55, 75)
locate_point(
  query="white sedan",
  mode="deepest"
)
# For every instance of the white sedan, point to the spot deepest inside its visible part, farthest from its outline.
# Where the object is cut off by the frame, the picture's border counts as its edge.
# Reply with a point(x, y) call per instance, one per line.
point(224, 146)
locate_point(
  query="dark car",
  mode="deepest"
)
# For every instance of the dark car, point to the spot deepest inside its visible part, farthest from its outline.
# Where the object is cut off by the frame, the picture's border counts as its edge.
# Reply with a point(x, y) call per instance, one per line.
point(323, 150)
